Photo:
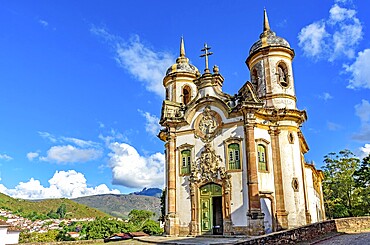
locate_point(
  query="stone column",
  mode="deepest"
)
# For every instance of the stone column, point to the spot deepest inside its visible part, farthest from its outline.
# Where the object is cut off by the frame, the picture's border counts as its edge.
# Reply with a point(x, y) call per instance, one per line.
point(194, 228)
point(281, 214)
point(255, 216)
point(172, 223)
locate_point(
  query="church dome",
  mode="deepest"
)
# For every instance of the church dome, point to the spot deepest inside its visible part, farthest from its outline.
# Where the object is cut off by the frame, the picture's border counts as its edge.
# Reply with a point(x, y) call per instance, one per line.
point(182, 63)
point(268, 38)
point(182, 67)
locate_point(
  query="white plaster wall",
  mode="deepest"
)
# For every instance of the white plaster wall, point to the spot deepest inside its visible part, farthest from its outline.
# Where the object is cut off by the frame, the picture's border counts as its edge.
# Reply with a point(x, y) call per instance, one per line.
point(291, 167)
point(238, 208)
point(3, 235)
point(265, 180)
point(266, 209)
point(314, 201)
point(12, 237)
point(183, 204)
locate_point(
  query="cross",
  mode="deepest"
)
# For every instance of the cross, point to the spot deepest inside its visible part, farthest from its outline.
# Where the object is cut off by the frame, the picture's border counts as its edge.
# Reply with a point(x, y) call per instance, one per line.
point(206, 54)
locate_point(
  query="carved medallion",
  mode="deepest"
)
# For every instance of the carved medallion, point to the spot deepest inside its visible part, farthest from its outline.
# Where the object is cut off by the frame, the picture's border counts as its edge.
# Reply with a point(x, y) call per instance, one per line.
point(207, 125)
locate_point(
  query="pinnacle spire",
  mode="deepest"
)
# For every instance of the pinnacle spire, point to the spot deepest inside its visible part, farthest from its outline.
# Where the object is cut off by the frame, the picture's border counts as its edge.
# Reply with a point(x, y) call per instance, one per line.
point(266, 25)
point(182, 47)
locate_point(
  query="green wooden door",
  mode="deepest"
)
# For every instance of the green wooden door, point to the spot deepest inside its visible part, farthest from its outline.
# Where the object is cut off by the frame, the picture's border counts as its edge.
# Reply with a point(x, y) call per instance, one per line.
point(207, 192)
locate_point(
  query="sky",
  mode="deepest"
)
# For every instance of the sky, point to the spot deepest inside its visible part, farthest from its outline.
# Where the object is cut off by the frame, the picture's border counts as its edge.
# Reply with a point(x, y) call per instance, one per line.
point(81, 83)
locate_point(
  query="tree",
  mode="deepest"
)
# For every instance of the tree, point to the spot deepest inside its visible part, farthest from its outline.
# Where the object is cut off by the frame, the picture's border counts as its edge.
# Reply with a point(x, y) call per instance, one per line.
point(362, 181)
point(62, 210)
point(163, 206)
point(138, 217)
point(152, 227)
point(339, 187)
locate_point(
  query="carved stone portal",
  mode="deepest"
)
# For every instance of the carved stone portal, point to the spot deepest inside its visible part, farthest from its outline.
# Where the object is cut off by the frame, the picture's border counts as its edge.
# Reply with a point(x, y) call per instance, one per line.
point(207, 169)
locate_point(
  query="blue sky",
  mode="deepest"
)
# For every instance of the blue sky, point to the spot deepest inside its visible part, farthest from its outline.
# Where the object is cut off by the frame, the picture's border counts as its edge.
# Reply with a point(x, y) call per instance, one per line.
point(81, 83)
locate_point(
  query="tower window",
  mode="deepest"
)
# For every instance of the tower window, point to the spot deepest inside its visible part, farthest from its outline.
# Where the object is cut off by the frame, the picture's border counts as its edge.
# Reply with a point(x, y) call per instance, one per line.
point(262, 162)
point(186, 94)
point(185, 161)
point(282, 73)
point(234, 156)
point(255, 79)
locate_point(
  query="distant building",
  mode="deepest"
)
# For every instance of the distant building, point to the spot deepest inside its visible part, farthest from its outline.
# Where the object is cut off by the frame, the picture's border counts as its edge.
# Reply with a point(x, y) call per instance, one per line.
point(235, 163)
point(8, 234)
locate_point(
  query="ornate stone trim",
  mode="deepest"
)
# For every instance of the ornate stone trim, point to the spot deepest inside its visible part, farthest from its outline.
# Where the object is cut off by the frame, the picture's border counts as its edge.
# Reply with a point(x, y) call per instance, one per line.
point(208, 125)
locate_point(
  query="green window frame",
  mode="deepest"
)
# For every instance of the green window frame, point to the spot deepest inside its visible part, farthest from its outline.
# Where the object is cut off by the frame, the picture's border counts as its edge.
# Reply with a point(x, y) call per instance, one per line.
point(234, 156)
point(185, 161)
point(262, 162)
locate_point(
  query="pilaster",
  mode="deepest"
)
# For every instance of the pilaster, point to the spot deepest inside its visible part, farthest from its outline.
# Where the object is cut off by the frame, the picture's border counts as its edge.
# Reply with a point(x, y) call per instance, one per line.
point(172, 221)
point(281, 214)
point(254, 215)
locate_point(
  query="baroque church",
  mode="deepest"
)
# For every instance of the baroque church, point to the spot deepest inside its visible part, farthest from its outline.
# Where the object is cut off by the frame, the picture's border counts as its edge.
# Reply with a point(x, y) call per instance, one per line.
point(235, 163)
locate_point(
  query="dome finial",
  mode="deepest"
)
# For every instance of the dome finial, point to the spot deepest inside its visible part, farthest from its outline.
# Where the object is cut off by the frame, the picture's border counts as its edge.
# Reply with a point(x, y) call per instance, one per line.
point(266, 25)
point(182, 47)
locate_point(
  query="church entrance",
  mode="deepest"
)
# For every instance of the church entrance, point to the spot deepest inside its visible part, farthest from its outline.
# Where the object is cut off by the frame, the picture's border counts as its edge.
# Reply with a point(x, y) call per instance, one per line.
point(211, 218)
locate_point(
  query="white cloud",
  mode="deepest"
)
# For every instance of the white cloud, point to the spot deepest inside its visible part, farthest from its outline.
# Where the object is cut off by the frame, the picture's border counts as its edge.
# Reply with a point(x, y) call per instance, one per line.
point(66, 184)
point(32, 155)
point(143, 62)
point(152, 123)
point(80, 143)
point(5, 157)
point(132, 170)
point(326, 96)
point(364, 151)
point(363, 112)
point(311, 39)
point(360, 71)
point(334, 37)
point(71, 154)
point(44, 23)
point(48, 136)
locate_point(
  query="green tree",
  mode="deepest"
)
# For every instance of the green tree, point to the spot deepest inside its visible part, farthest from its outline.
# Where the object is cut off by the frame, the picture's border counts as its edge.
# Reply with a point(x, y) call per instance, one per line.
point(138, 217)
point(152, 227)
point(163, 206)
point(62, 211)
point(104, 227)
point(362, 181)
point(340, 192)
point(30, 237)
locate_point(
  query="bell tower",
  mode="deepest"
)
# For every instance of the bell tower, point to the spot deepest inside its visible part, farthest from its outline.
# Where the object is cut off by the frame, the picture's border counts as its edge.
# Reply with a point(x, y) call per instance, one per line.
point(270, 65)
point(179, 78)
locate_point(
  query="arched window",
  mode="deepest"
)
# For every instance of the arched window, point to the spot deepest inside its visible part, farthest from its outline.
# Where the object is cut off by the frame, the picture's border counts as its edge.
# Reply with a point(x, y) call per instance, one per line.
point(185, 161)
point(167, 94)
point(282, 72)
point(255, 79)
point(186, 94)
point(234, 156)
point(262, 161)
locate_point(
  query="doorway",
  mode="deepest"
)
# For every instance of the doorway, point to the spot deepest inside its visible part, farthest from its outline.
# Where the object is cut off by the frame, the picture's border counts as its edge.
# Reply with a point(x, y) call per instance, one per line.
point(211, 209)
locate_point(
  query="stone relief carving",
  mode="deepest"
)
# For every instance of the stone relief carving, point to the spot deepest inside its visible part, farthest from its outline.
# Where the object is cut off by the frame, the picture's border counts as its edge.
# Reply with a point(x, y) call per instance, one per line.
point(207, 169)
point(207, 125)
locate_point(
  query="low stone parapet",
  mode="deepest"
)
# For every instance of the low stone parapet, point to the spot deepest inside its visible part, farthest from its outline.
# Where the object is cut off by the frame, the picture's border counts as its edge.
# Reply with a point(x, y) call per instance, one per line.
point(313, 231)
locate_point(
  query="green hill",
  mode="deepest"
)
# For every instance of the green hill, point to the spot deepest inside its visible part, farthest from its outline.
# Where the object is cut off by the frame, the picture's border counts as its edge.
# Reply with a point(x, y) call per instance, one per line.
point(121, 205)
point(40, 208)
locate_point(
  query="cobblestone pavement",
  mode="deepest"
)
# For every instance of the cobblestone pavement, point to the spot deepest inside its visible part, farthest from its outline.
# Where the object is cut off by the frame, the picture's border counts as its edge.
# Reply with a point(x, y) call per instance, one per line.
point(352, 239)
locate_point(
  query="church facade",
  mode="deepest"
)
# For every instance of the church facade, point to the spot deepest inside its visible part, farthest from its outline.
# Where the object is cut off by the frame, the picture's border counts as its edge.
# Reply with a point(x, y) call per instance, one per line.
point(235, 163)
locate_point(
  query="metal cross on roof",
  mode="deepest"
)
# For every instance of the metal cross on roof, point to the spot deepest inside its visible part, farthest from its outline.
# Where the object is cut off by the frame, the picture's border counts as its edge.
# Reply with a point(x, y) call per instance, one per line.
point(206, 54)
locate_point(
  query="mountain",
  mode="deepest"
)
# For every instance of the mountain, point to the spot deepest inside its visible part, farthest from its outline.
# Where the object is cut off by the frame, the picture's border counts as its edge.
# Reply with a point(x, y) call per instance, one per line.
point(154, 192)
point(121, 205)
point(33, 208)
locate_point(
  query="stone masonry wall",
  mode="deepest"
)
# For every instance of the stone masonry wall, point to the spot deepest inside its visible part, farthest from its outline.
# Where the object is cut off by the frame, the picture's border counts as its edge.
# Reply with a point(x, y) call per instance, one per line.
point(312, 231)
